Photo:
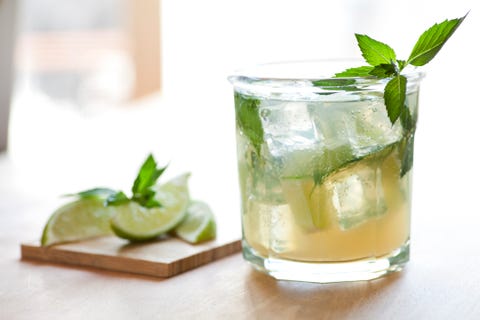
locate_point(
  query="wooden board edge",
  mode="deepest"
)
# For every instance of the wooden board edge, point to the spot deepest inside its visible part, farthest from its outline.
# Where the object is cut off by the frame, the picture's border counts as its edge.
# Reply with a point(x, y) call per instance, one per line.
point(126, 264)
point(204, 257)
point(94, 260)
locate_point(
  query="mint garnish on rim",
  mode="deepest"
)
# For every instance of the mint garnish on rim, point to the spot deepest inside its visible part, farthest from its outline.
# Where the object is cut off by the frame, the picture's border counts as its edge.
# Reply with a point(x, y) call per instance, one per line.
point(383, 63)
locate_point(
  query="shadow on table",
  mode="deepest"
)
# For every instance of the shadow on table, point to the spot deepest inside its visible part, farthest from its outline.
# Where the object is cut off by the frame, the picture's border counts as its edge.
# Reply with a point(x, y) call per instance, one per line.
point(300, 300)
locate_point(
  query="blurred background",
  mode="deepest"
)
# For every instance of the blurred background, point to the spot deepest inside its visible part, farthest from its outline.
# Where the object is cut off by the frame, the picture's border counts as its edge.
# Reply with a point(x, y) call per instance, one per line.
point(89, 88)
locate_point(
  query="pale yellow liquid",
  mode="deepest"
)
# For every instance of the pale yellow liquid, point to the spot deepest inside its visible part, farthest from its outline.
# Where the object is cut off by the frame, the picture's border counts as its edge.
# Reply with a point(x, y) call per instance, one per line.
point(305, 227)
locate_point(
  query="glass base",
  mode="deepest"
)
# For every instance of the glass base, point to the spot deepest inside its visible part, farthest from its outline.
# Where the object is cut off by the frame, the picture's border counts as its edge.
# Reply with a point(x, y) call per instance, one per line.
point(328, 272)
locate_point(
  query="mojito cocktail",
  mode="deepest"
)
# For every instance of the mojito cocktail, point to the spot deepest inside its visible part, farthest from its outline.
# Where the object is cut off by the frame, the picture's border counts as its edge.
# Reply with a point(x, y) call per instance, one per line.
point(325, 177)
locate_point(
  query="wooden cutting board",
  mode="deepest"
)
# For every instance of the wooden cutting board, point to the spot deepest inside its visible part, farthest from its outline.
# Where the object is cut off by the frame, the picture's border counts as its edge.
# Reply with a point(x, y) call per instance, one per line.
point(162, 258)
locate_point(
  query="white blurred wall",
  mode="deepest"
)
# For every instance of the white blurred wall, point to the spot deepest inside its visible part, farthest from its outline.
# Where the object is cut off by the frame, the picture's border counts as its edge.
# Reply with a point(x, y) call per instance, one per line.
point(205, 40)
point(191, 124)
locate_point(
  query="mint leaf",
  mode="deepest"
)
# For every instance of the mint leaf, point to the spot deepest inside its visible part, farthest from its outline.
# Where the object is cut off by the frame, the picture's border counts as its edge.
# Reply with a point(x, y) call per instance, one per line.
point(116, 199)
point(147, 176)
point(432, 40)
point(384, 64)
point(407, 155)
point(152, 203)
point(407, 121)
point(363, 71)
point(333, 82)
point(93, 193)
point(142, 192)
point(383, 70)
point(146, 199)
point(141, 189)
point(375, 52)
point(336, 85)
point(248, 119)
point(401, 64)
point(394, 96)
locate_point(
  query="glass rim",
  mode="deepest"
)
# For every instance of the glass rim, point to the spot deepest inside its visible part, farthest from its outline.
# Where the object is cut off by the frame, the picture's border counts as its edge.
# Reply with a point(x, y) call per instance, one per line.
point(270, 75)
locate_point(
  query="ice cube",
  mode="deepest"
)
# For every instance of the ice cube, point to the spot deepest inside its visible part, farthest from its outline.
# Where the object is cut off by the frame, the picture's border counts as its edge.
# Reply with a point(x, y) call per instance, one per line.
point(370, 127)
point(287, 126)
point(256, 220)
point(361, 126)
point(267, 228)
point(358, 197)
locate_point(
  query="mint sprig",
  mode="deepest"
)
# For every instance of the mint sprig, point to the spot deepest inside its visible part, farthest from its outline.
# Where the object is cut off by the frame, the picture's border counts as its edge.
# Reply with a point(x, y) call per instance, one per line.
point(384, 64)
point(363, 71)
point(394, 96)
point(375, 52)
point(146, 178)
point(142, 191)
point(432, 40)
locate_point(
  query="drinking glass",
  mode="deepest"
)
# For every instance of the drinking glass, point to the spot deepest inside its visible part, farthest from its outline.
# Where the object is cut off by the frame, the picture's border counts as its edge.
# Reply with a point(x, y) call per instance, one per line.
point(325, 178)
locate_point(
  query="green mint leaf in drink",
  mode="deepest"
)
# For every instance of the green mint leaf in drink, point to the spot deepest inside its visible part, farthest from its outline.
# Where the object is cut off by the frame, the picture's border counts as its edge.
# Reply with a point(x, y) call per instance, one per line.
point(407, 156)
point(407, 121)
point(99, 193)
point(383, 70)
point(401, 64)
point(394, 96)
point(432, 40)
point(375, 52)
point(333, 82)
point(363, 71)
point(336, 85)
point(248, 119)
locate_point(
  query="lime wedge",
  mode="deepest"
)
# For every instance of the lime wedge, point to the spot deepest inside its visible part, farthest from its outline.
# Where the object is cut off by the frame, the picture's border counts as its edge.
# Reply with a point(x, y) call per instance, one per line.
point(81, 219)
point(317, 205)
point(309, 204)
point(199, 224)
point(137, 223)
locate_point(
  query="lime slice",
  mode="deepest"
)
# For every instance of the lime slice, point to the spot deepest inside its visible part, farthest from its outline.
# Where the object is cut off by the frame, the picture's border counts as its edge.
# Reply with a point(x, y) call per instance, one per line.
point(137, 223)
point(316, 205)
point(310, 204)
point(199, 224)
point(81, 219)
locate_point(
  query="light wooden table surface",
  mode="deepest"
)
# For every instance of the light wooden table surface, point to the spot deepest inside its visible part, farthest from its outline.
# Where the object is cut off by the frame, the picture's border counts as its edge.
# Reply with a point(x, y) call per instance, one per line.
point(442, 281)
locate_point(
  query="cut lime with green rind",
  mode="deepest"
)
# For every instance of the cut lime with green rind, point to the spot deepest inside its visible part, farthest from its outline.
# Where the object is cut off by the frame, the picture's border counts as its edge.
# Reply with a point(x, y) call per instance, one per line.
point(78, 220)
point(307, 203)
point(321, 165)
point(309, 197)
point(199, 224)
point(136, 223)
point(377, 155)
